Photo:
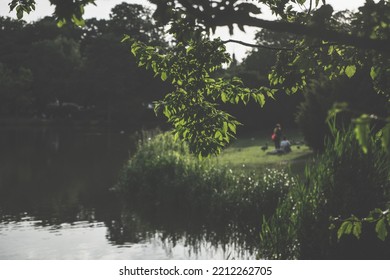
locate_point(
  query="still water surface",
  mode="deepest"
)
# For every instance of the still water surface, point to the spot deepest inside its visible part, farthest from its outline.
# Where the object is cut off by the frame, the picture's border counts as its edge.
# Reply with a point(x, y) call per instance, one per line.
point(56, 203)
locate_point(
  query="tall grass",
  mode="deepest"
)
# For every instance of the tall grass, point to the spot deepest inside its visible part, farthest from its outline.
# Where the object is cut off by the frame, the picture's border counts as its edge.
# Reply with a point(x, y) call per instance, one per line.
point(344, 181)
point(163, 176)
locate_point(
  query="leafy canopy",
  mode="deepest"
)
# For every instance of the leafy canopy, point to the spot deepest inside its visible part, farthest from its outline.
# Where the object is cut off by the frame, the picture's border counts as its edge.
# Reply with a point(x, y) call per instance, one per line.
point(328, 43)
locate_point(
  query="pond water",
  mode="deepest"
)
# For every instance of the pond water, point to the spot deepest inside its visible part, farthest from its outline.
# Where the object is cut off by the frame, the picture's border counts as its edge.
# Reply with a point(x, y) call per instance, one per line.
point(56, 202)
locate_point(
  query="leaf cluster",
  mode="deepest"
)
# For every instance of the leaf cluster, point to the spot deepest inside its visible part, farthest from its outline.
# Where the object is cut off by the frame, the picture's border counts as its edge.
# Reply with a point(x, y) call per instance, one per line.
point(65, 11)
point(21, 7)
point(353, 225)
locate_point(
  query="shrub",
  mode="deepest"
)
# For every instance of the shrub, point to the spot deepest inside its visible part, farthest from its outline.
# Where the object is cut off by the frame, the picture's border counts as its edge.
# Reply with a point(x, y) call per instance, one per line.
point(319, 97)
point(344, 181)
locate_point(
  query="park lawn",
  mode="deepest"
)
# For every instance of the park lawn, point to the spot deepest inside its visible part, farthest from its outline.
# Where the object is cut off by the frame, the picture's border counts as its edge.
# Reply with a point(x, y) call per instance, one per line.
point(246, 152)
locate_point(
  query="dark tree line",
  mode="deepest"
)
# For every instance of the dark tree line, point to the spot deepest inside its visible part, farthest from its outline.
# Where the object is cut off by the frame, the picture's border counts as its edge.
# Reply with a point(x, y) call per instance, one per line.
point(86, 73)
point(78, 73)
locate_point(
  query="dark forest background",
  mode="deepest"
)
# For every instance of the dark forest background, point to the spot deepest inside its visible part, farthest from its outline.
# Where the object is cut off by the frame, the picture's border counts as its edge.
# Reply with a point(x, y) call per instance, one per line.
point(87, 74)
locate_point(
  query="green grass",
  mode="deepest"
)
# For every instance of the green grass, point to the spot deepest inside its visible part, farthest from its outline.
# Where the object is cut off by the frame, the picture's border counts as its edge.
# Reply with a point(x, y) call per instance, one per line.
point(246, 152)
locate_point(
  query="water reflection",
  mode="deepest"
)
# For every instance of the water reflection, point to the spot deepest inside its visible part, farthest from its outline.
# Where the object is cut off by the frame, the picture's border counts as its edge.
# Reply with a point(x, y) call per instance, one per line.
point(56, 203)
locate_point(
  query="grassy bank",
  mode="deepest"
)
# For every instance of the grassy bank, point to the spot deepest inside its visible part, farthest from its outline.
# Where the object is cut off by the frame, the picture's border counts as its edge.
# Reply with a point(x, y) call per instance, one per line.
point(252, 152)
point(164, 178)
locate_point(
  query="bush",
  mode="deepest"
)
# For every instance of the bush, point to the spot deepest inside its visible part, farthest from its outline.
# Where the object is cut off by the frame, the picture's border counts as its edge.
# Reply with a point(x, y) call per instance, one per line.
point(319, 97)
point(344, 181)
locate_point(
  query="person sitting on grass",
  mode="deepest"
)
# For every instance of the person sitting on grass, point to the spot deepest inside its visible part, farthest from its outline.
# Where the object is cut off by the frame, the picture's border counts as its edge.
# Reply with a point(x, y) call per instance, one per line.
point(285, 145)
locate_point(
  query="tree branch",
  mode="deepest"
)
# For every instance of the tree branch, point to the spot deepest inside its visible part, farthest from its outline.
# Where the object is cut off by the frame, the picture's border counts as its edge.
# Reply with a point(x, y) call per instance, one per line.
point(257, 45)
point(303, 30)
point(278, 48)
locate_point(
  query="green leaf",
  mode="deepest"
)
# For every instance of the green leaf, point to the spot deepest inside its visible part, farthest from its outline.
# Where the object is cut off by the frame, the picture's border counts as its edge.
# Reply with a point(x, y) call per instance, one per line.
point(78, 21)
point(336, 108)
point(225, 127)
point(164, 76)
point(134, 49)
point(167, 112)
point(343, 228)
point(381, 229)
point(374, 72)
point(350, 70)
point(19, 13)
point(386, 137)
point(362, 131)
point(176, 136)
point(190, 48)
point(218, 135)
point(232, 127)
point(224, 97)
point(349, 227)
point(61, 23)
point(357, 229)
point(125, 38)
point(339, 51)
point(209, 80)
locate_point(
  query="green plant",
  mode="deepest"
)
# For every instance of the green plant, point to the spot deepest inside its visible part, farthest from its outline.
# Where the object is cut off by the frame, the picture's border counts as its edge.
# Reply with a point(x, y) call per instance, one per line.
point(163, 175)
point(344, 180)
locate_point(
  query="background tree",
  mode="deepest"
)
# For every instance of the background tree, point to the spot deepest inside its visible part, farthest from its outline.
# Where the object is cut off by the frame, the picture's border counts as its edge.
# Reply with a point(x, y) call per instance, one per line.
point(124, 91)
point(254, 72)
point(320, 95)
point(54, 64)
point(84, 72)
point(320, 29)
point(15, 91)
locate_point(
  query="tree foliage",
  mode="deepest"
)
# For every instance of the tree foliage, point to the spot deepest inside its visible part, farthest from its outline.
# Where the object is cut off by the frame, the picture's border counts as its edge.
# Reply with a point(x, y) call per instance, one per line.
point(333, 44)
point(65, 11)
point(78, 72)
point(191, 107)
point(329, 43)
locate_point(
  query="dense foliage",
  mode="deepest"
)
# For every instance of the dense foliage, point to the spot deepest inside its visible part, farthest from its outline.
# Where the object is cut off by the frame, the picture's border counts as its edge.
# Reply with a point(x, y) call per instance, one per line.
point(325, 42)
point(320, 96)
point(344, 180)
point(339, 47)
point(190, 107)
point(78, 73)
point(163, 175)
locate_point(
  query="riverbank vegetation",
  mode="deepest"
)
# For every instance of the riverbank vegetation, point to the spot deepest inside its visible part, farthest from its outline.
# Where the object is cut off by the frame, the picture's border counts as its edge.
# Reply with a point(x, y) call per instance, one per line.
point(163, 179)
point(298, 215)
point(344, 181)
point(163, 173)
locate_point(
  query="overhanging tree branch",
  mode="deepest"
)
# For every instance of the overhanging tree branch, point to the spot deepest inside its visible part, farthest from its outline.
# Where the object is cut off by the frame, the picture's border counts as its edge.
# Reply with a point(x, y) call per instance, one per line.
point(277, 48)
point(257, 45)
point(318, 32)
